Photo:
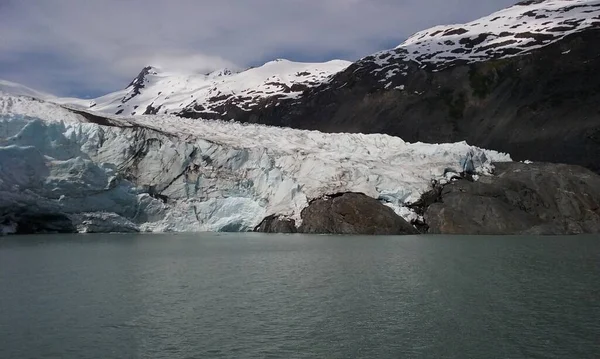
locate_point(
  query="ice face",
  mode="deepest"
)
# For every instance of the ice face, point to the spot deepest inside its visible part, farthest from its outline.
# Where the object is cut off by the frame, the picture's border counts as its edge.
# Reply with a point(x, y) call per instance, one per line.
point(163, 173)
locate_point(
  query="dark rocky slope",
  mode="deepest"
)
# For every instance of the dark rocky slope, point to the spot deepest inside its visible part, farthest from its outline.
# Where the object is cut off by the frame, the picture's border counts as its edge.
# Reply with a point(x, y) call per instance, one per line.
point(541, 106)
point(538, 198)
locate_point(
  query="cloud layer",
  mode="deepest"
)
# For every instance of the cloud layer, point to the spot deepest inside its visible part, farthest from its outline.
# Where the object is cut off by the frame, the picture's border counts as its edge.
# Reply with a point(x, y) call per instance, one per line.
point(75, 47)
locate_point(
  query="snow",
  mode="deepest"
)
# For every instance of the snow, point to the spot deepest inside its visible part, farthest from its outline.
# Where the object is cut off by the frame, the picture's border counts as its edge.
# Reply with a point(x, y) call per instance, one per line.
point(164, 173)
point(172, 92)
point(513, 31)
point(13, 88)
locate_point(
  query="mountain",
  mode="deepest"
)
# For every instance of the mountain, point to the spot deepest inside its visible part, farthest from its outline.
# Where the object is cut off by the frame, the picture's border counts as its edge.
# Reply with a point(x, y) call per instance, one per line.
point(524, 80)
point(517, 30)
point(221, 94)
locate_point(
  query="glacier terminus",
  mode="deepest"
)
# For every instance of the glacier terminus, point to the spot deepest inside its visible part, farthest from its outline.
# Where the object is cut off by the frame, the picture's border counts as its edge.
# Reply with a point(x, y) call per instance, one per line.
point(68, 168)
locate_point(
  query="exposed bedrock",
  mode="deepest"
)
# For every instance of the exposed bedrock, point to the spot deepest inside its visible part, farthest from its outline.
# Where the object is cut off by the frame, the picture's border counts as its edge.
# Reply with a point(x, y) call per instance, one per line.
point(277, 224)
point(539, 198)
point(352, 213)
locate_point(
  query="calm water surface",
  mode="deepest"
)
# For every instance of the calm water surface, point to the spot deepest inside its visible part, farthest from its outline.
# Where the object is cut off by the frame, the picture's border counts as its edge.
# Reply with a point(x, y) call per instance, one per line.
point(260, 296)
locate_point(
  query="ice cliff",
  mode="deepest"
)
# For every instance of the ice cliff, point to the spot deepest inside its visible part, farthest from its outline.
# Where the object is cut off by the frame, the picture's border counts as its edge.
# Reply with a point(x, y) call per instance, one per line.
point(63, 168)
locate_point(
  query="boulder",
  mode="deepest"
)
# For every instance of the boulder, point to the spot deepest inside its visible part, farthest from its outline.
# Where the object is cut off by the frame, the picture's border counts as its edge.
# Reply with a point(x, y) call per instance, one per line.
point(276, 224)
point(352, 213)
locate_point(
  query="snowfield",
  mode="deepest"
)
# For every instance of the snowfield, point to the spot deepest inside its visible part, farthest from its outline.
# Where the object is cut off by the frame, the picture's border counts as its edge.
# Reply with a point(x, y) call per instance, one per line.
point(164, 173)
point(156, 91)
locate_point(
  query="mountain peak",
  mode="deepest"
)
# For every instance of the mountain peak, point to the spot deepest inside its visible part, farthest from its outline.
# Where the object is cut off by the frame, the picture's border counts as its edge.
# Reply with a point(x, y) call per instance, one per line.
point(221, 73)
point(140, 79)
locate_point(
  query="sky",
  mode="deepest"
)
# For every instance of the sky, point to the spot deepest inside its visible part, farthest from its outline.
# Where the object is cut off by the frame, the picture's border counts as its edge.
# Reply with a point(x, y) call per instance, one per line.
point(87, 48)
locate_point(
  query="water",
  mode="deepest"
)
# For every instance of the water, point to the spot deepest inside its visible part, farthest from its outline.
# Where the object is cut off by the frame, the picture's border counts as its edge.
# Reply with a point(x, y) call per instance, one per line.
point(259, 296)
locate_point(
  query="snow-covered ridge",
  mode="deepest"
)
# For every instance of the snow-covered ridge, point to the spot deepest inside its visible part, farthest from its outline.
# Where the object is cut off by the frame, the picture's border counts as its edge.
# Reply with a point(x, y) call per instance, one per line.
point(164, 173)
point(16, 89)
point(155, 91)
point(516, 30)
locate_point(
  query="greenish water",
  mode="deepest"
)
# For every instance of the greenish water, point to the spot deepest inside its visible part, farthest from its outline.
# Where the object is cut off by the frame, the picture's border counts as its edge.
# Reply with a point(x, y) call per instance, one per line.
point(261, 296)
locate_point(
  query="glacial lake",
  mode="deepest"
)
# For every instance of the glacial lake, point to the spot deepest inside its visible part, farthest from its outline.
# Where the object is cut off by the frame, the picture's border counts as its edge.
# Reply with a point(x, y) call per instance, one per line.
point(278, 296)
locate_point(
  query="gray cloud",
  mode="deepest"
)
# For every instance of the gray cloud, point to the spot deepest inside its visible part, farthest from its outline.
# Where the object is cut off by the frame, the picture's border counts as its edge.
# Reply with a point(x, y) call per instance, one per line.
point(75, 46)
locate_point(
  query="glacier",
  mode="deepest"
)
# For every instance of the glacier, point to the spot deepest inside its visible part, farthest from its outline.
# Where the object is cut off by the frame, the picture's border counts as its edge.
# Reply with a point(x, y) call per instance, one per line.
point(163, 173)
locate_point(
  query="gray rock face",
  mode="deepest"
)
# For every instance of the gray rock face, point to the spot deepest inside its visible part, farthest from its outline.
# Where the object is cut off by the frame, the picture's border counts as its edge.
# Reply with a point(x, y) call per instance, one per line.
point(352, 213)
point(538, 198)
point(275, 224)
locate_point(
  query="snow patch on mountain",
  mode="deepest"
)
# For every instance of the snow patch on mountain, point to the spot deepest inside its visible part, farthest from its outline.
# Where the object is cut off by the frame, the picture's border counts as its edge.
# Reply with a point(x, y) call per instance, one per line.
point(513, 31)
point(523, 27)
point(164, 173)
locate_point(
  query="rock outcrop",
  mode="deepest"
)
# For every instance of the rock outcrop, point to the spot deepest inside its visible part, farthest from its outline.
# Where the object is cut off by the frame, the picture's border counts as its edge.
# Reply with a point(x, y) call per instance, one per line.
point(277, 224)
point(520, 198)
point(352, 213)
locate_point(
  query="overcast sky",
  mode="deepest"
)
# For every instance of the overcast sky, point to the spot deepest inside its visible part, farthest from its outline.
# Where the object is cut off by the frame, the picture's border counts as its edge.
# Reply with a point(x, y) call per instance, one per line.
point(91, 47)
